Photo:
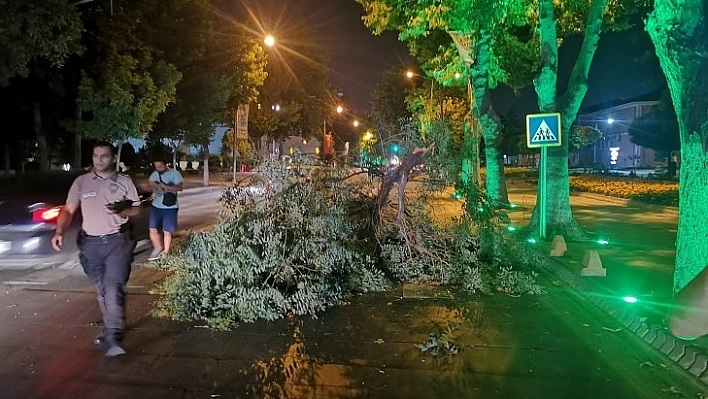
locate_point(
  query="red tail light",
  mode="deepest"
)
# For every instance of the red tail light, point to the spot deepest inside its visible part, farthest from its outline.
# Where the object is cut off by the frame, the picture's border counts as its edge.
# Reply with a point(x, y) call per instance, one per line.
point(46, 215)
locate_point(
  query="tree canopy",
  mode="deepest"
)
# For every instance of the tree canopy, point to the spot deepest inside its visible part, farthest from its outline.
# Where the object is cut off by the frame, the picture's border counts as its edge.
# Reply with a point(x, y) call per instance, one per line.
point(36, 29)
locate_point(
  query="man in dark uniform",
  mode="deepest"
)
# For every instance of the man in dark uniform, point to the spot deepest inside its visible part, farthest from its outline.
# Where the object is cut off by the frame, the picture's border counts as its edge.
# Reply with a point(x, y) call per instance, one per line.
point(106, 199)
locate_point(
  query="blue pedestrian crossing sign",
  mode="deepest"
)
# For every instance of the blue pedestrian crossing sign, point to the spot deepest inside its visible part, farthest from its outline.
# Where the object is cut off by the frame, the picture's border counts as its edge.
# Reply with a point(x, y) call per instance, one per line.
point(543, 130)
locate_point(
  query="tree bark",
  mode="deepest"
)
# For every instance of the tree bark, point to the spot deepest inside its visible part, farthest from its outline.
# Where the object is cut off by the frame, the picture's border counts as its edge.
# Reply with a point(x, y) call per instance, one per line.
point(490, 124)
point(205, 164)
point(679, 31)
point(400, 175)
point(118, 156)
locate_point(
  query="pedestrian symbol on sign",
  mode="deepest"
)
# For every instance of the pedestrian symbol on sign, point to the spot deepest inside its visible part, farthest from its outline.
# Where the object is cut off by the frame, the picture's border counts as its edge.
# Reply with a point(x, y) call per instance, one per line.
point(543, 130)
point(544, 134)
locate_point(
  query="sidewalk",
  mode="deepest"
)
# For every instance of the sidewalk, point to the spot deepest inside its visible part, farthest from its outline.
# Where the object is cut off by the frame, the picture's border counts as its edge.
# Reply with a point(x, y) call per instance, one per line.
point(567, 343)
point(639, 262)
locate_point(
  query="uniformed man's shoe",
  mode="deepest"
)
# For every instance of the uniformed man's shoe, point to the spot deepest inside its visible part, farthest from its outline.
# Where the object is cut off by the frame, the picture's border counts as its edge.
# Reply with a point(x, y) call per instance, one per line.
point(99, 339)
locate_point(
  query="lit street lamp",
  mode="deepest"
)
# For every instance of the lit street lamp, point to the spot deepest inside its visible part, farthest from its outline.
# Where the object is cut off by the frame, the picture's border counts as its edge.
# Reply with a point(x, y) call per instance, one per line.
point(269, 40)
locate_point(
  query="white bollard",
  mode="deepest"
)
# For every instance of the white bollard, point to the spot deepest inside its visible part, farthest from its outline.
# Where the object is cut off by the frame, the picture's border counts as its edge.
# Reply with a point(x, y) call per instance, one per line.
point(558, 246)
point(593, 264)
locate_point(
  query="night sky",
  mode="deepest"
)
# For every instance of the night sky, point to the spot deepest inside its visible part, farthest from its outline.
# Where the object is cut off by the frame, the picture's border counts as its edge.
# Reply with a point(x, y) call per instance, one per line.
point(624, 65)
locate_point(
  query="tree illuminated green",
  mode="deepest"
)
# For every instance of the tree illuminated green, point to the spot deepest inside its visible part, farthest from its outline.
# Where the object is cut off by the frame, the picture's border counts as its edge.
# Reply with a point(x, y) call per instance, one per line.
point(554, 21)
point(452, 38)
point(679, 30)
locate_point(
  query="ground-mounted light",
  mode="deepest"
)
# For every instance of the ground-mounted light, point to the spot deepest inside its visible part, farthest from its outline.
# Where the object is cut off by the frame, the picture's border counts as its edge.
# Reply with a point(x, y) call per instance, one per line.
point(630, 299)
point(511, 228)
point(531, 240)
point(603, 241)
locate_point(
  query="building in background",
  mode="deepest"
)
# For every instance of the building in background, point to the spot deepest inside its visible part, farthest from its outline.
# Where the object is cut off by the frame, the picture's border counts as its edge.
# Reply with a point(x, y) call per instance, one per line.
point(615, 150)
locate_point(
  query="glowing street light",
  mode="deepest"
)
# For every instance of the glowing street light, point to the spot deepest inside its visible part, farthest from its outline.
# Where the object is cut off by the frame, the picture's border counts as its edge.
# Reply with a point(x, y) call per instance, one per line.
point(269, 40)
point(340, 109)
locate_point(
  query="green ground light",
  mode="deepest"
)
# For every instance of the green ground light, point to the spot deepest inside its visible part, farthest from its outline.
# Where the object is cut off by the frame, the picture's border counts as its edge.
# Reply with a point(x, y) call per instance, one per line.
point(630, 299)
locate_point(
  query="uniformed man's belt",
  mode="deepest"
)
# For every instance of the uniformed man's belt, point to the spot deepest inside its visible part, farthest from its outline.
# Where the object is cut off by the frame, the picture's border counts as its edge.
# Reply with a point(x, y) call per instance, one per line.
point(102, 235)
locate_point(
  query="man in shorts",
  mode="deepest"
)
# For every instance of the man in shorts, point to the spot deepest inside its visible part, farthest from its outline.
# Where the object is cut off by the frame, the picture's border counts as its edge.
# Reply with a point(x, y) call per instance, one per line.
point(165, 183)
point(107, 199)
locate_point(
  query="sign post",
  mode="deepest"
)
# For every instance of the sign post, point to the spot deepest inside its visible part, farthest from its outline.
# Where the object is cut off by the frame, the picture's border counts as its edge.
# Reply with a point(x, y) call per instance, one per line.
point(543, 131)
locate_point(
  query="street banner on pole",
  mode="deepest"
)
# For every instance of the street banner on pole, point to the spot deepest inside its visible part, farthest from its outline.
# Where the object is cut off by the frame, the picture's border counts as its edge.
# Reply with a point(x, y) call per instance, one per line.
point(242, 122)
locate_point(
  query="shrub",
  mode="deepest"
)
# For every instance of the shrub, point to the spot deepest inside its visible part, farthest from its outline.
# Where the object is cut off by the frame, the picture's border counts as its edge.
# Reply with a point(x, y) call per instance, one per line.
point(650, 191)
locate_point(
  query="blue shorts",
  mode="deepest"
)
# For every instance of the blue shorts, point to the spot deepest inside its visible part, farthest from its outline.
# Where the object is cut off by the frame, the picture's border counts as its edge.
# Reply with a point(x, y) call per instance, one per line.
point(165, 219)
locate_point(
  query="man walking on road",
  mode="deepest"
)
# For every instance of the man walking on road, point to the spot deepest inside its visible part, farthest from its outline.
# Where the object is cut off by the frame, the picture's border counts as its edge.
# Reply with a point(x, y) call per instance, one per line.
point(107, 199)
point(165, 183)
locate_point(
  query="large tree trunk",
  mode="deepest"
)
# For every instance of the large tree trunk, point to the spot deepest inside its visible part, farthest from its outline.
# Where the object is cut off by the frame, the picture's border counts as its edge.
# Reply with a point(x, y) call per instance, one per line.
point(560, 219)
point(42, 153)
point(470, 151)
point(491, 126)
point(470, 142)
point(679, 31)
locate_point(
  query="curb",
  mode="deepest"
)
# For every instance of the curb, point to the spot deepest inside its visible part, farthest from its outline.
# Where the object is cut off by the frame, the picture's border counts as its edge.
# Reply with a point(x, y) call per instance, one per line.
point(689, 357)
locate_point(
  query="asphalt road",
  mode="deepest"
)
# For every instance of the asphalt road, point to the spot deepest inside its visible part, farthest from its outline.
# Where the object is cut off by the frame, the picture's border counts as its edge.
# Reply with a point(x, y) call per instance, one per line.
point(198, 209)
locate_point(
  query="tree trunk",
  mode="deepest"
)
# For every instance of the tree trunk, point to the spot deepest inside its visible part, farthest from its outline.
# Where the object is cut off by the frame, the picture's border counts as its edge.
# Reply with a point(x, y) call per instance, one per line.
point(496, 179)
point(42, 153)
point(560, 219)
point(679, 31)
point(491, 126)
point(205, 164)
point(470, 152)
point(120, 152)
point(470, 142)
